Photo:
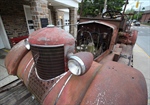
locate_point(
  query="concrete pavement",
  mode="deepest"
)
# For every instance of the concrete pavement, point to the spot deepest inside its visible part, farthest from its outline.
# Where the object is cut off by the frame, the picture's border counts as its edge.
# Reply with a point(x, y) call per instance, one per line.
point(141, 61)
point(5, 78)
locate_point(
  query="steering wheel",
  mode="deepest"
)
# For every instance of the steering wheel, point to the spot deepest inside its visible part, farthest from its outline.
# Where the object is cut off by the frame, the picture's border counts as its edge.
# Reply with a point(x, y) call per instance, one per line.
point(112, 15)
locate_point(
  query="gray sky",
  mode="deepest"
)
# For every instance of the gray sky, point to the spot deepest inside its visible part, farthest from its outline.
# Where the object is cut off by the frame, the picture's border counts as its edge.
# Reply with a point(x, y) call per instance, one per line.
point(143, 3)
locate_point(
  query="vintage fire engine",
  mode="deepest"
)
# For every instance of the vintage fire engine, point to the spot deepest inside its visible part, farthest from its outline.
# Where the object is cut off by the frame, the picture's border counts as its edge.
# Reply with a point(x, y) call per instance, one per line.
point(93, 69)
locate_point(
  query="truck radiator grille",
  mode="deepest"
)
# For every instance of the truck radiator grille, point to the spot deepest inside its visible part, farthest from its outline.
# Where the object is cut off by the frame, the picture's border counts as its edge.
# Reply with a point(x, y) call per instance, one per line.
point(49, 61)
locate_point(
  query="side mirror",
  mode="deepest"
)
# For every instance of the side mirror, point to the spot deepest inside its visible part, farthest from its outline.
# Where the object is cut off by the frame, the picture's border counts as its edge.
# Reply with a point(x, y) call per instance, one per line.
point(80, 63)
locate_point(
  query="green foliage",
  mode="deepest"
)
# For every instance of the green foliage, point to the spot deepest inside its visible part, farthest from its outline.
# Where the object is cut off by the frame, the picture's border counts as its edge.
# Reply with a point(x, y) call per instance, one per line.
point(137, 15)
point(130, 11)
point(87, 7)
point(115, 5)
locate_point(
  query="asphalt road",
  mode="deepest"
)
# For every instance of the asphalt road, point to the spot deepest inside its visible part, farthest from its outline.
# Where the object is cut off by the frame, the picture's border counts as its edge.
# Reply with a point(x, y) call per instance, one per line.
point(143, 39)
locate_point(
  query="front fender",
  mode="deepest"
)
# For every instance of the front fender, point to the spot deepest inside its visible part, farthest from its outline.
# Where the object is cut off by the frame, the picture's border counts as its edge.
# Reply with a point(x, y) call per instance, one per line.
point(117, 84)
point(14, 57)
point(114, 84)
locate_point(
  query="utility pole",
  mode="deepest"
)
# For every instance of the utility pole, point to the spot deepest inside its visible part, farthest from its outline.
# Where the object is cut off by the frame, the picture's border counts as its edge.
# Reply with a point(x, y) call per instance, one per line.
point(139, 10)
point(105, 6)
point(81, 8)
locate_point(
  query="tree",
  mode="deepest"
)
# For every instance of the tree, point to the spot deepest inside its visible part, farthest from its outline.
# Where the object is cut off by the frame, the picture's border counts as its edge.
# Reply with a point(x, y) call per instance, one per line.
point(115, 5)
point(87, 7)
point(131, 11)
point(137, 14)
point(95, 7)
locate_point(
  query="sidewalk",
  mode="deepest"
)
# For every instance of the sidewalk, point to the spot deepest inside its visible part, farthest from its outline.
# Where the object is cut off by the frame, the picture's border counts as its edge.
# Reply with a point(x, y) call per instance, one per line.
point(145, 25)
point(5, 78)
point(141, 61)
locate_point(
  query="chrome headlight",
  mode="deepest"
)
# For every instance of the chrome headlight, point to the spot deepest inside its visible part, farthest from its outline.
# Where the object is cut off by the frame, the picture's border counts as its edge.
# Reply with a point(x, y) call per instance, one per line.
point(79, 63)
point(27, 45)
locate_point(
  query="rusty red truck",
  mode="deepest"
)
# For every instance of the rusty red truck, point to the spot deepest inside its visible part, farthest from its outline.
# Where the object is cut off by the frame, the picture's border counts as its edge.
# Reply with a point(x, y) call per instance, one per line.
point(95, 68)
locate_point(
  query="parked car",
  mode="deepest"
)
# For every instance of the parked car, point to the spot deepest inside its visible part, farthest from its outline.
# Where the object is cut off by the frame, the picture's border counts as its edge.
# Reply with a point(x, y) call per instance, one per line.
point(134, 21)
point(137, 23)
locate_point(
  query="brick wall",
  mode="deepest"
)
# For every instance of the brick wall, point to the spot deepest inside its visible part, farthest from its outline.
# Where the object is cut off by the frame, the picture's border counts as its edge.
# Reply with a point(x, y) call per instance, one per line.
point(39, 10)
point(13, 17)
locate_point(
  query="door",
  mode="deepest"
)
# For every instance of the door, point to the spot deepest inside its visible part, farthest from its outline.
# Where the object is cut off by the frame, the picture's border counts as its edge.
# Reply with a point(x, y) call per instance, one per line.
point(4, 42)
point(29, 20)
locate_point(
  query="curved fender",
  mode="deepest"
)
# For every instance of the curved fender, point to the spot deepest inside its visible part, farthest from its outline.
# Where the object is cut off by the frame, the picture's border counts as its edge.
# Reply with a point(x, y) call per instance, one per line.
point(74, 90)
point(117, 84)
point(113, 84)
point(24, 65)
point(14, 57)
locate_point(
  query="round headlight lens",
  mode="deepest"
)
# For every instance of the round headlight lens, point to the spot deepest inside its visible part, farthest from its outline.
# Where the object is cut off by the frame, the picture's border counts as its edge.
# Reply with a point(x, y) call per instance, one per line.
point(74, 67)
point(80, 63)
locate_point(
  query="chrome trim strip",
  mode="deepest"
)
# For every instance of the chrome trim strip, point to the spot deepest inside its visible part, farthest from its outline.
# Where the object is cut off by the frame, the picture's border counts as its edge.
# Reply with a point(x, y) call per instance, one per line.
point(30, 73)
point(36, 45)
point(26, 68)
point(62, 89)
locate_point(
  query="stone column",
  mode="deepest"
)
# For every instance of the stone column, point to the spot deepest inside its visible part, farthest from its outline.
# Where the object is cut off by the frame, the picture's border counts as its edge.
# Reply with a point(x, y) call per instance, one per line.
point(53, 15)
point(72, 21)
point(56, 18)
point(39, 9)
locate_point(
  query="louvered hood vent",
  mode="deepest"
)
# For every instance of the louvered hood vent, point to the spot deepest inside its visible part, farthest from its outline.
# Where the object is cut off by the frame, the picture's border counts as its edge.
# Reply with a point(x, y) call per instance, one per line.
point(49, 61)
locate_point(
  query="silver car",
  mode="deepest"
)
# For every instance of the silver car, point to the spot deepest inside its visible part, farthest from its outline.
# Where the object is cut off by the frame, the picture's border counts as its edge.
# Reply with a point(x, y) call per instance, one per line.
point(137, 23)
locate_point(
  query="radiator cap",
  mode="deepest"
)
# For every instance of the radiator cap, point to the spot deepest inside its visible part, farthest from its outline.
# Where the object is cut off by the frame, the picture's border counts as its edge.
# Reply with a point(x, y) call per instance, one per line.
point(50, 26)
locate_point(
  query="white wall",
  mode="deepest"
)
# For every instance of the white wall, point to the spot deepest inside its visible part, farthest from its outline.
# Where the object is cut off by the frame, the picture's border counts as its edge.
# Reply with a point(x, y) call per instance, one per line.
point(4, 42)
point(70, 3)
point(1, 42)
point(66, 21)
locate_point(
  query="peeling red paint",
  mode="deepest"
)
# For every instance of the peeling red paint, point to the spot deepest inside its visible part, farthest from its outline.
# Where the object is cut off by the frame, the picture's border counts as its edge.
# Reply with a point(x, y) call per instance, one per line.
point(51, 36)
point(14, 57)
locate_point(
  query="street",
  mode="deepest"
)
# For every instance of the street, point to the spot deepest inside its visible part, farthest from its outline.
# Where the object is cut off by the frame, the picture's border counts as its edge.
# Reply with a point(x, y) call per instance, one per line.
point(143, 39)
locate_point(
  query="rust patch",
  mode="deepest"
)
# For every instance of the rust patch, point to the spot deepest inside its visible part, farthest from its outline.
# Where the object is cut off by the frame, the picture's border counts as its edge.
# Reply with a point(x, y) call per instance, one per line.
point(74, 90)
point(51, 36)
point(117, 84)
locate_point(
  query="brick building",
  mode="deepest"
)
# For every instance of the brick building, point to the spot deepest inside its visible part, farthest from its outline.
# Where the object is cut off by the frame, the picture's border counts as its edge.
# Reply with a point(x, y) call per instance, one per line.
point(19, 18)
point(146, 17)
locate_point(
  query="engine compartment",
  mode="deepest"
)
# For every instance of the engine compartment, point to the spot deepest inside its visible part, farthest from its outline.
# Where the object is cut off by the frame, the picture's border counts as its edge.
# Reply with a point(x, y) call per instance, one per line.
point(93, 37)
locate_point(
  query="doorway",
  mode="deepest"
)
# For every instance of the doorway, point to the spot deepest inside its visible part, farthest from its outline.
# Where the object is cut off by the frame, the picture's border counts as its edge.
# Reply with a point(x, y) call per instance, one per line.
point(4, 42)
point(29, 20)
